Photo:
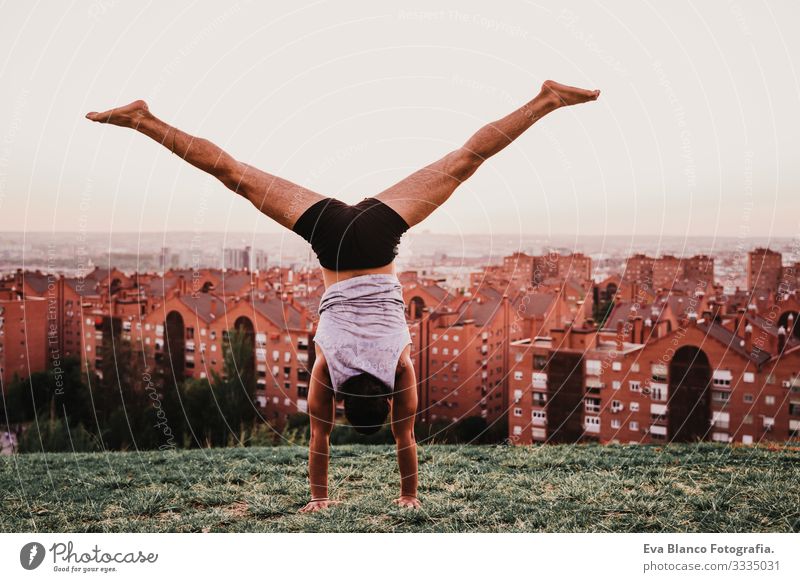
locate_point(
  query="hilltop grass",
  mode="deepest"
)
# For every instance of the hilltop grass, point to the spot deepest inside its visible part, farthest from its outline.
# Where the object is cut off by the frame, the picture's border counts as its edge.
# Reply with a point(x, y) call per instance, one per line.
point(587, 488)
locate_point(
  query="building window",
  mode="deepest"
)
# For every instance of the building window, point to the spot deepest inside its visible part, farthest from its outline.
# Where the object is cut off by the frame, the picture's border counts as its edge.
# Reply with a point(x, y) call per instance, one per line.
point(635, 385)
point(634, 425)
point(616, 366)
point(517, 412)
point(722, 378)
point(592, 424)
point(615, 423)
point(769, 400)
point(592, 405)
point(634, 407)
point(749, 377)
point(748, 398)
point(518, 375)
point(659, 372)
point(720, 419)
point(616, 384)
point(593, 367)
point(658, 392)
point(635, 367)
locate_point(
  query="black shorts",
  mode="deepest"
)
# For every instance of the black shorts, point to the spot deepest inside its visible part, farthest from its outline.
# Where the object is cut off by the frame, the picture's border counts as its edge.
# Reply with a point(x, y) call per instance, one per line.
point(345, 237)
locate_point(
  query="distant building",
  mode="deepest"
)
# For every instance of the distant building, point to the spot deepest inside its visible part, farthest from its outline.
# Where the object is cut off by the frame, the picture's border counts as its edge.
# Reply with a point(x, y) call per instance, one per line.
point(764, 270)
point(164, 260)
point(237, 259)
point(23, 338)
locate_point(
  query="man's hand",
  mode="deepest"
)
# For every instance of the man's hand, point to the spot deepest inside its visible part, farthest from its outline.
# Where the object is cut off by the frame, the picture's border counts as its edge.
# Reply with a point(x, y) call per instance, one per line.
point(408, 501)
point(313, 506)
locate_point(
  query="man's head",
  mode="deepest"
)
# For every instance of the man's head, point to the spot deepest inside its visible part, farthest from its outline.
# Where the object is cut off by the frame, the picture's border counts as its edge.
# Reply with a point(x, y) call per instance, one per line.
point(366, 402)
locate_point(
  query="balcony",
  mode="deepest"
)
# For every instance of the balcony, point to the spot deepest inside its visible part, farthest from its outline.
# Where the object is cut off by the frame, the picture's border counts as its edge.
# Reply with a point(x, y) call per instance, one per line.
point(658, 430)
point(658, 409)
point(594, 383)
point(591, 424)
point(592, 405)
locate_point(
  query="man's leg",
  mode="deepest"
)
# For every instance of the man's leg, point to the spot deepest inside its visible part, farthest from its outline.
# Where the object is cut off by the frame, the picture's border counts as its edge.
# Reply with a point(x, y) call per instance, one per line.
point(281, 200)
point(415, 197)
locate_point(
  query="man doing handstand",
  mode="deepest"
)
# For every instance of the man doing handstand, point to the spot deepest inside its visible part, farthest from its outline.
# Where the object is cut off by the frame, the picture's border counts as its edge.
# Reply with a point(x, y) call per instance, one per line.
point(362, 339)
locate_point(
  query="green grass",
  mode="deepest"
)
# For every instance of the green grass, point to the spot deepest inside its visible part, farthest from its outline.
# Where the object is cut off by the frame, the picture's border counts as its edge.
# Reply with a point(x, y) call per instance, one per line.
point(685, 488)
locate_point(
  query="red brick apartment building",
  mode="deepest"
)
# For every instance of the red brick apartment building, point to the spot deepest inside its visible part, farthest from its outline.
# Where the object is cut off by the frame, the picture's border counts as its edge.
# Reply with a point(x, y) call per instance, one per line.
point(764, 270)
point(171, 321)
point(729, 378)
point(23, 337)
point(648, 275)
point(461, 341)
point(674, 360)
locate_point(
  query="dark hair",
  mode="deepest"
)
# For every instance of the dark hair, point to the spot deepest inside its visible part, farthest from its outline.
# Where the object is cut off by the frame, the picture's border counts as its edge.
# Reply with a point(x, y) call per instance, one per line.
point(366, 402)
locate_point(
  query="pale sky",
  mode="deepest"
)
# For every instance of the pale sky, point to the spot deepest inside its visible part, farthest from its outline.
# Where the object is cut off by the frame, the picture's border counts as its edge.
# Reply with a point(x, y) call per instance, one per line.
point(696, 132)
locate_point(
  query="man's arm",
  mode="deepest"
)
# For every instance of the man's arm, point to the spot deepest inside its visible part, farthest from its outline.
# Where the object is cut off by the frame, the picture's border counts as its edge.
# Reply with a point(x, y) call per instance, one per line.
point(404, 412)
point(321, 410)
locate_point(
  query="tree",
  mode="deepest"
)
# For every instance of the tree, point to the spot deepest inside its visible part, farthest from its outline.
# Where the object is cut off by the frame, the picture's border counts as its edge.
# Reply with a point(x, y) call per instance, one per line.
point(55, 435)
point(221, 411)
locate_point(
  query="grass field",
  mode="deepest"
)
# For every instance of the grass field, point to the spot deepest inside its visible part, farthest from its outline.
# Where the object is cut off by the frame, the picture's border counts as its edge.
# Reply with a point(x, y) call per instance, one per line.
point(694, 488)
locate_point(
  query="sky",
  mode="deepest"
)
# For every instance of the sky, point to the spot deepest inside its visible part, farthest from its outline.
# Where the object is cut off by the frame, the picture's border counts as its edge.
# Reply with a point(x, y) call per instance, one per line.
point(695, 132)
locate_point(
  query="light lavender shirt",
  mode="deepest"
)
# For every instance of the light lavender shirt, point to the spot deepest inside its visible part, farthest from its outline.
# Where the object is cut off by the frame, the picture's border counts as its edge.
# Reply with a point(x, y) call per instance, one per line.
point(362, 327)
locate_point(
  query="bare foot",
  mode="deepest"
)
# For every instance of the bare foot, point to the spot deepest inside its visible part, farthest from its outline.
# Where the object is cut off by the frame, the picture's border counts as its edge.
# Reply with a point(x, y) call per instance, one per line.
point(313, 506)
point(407, 501)
point(566, 95)
point(130, 115)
